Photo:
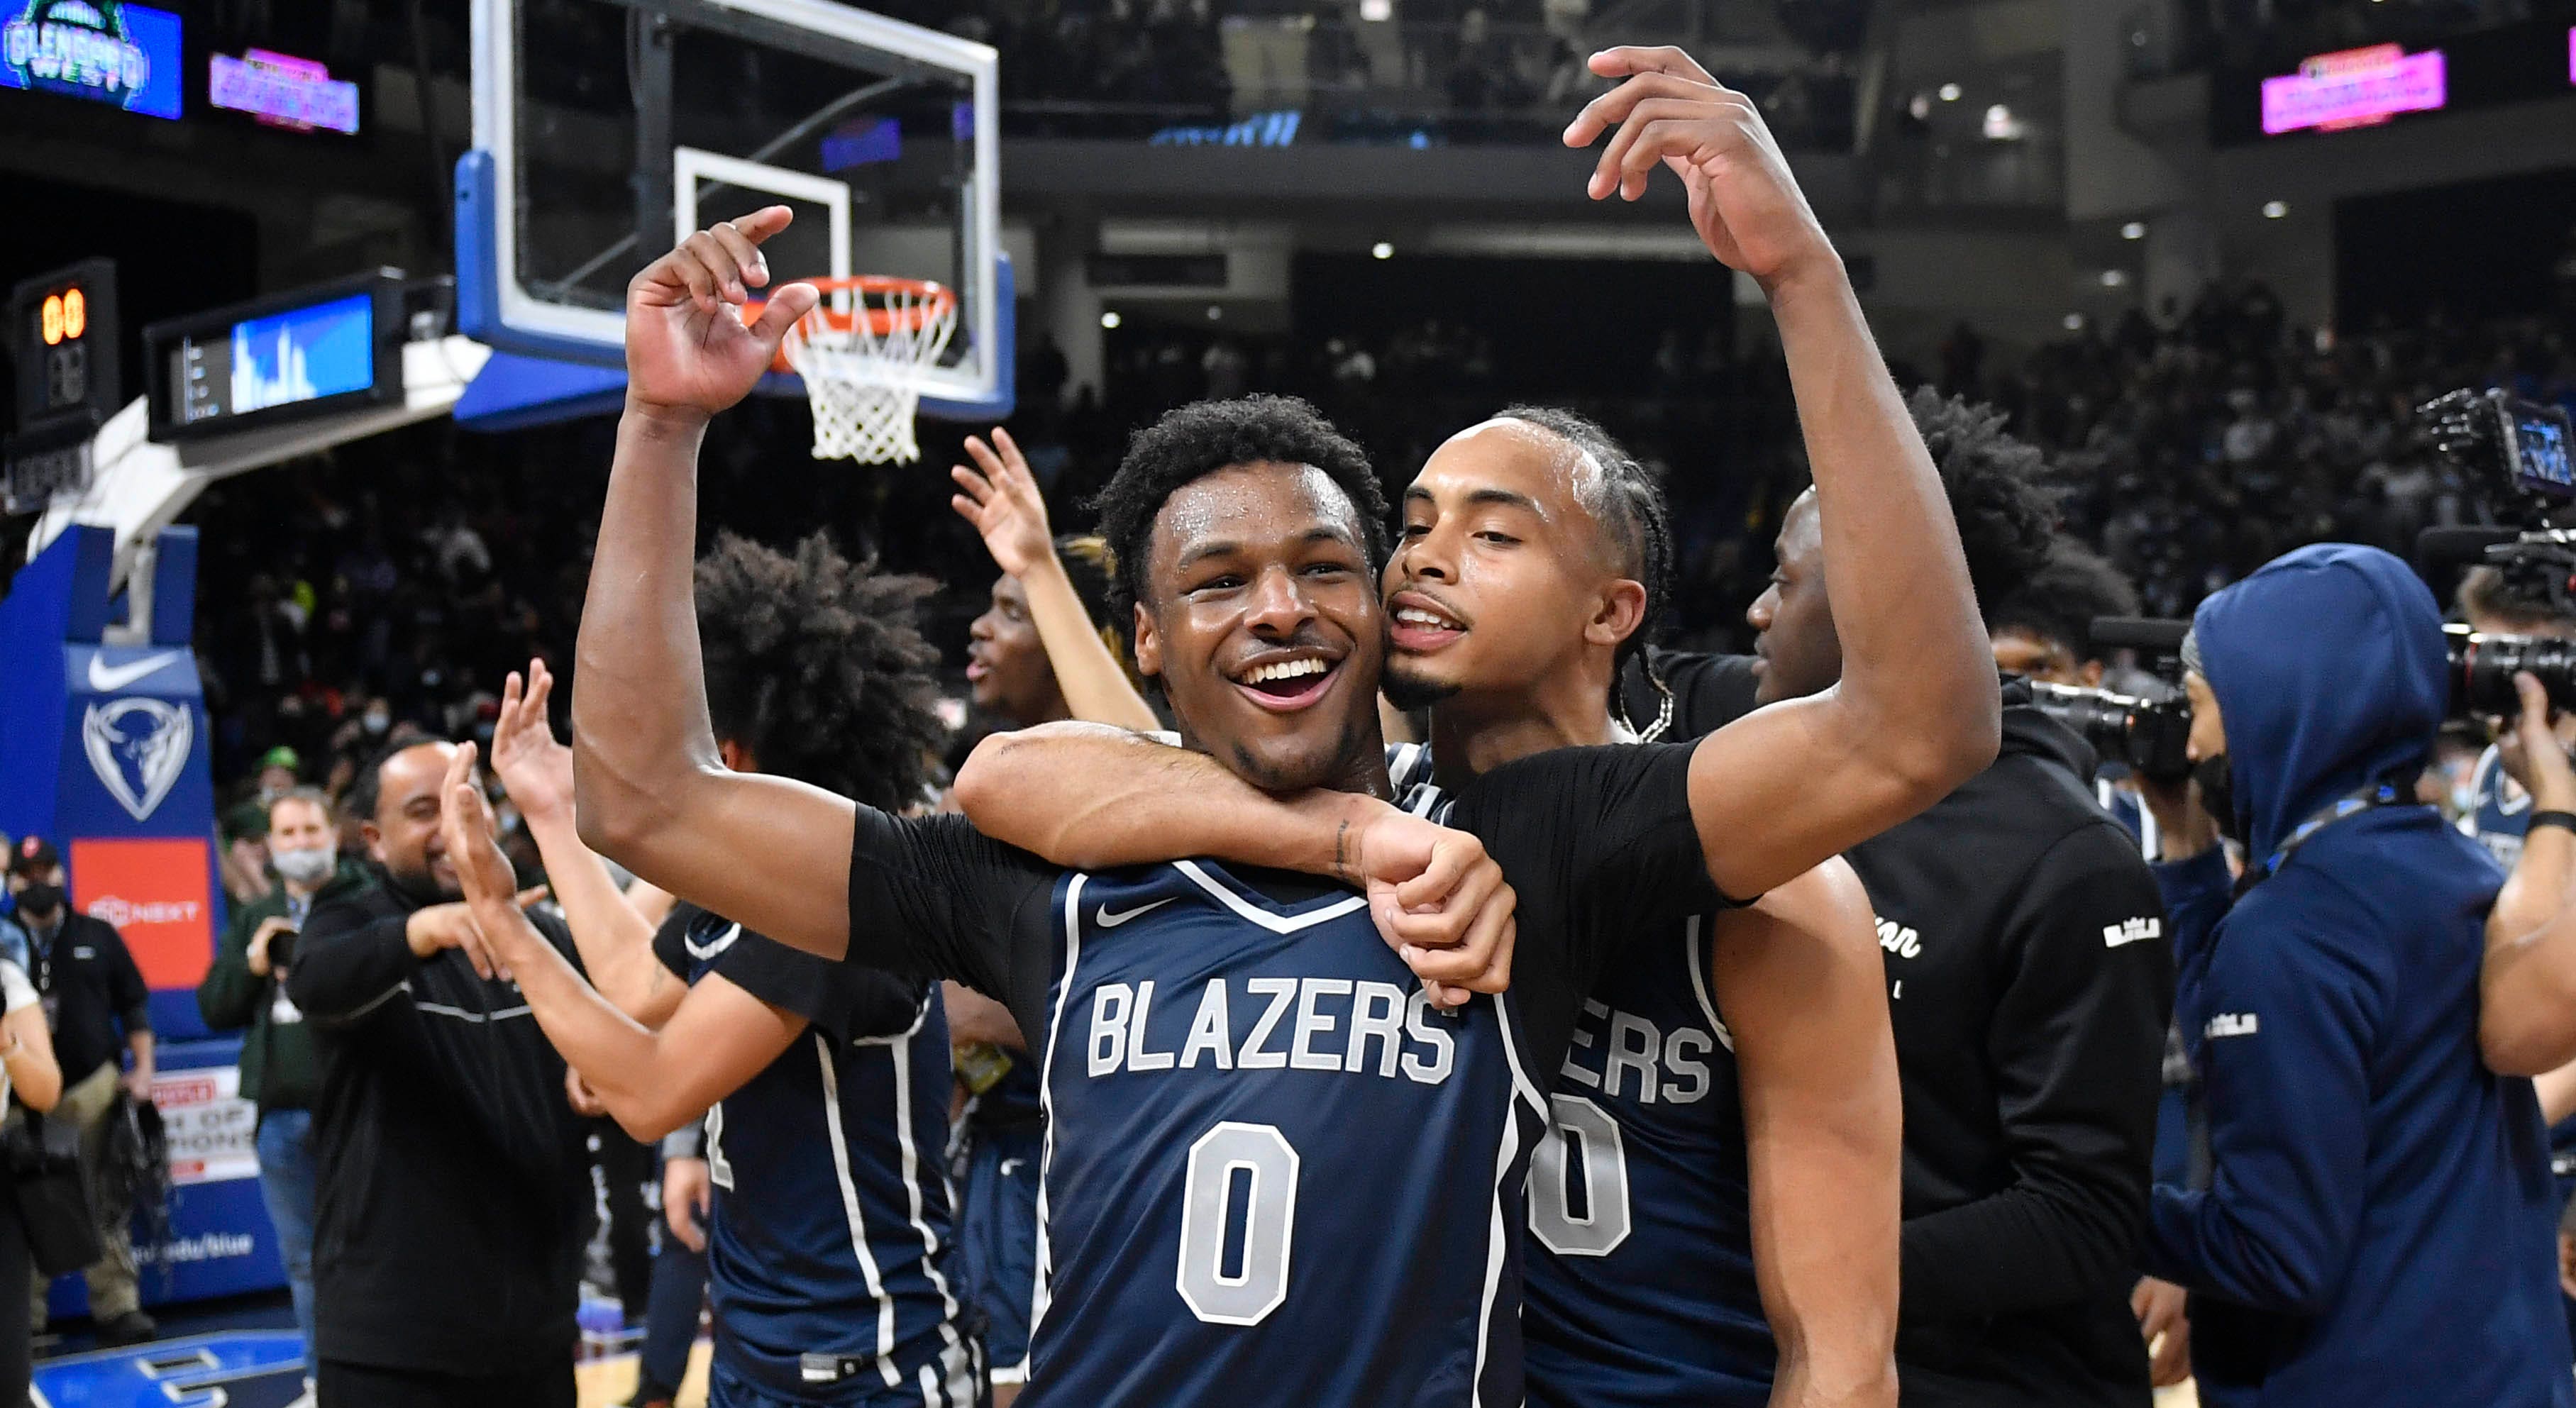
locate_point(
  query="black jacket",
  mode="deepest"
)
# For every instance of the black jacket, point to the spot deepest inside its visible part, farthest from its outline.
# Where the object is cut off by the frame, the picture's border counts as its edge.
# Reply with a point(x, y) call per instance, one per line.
point(2030, 981)
point(279, 1067)
point(94, 995)
point(453, 1178)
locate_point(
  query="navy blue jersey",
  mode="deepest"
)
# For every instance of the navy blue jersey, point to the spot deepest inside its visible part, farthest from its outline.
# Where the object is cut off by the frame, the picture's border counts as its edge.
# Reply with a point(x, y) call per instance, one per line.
point(1271, 1173)
point(2500, 811)
point(827, 1247)
point(2498, 818)
point(1640, 1280)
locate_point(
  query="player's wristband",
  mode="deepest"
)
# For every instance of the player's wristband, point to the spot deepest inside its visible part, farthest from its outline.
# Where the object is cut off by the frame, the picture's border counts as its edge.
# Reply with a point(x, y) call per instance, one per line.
point(2566, 820)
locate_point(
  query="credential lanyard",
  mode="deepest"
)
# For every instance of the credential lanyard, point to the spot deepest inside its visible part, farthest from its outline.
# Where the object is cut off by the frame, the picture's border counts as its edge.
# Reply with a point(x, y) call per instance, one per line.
point(2371, 798)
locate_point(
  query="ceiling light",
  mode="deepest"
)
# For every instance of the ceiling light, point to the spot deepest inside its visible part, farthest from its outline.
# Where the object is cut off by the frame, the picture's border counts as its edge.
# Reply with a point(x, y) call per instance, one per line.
point(2134, 230)
point(2113, 278)
point(1214, 312)
point(1381, 250)
point(1950, 92)
point(2074, 322)
point(1109, 319)
point(2274, 210)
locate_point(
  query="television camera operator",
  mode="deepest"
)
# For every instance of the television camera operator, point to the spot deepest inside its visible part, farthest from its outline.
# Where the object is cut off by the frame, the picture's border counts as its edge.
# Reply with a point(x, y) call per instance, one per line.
point(2028, 980)
point(2368, 1218)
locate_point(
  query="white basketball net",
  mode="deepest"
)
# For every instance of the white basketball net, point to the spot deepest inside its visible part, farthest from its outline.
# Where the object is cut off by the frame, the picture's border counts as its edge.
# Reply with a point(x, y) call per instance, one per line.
point(864, 384)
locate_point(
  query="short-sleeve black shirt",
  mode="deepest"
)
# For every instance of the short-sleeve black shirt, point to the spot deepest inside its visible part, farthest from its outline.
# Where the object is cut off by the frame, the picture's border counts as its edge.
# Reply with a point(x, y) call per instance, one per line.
point(1597, 842)
point(846, 1001)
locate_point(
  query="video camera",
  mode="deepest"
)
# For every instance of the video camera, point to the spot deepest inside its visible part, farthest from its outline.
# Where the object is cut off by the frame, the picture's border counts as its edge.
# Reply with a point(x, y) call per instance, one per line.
point(2526, 454)
point(2146, 733)
point(2520, 451)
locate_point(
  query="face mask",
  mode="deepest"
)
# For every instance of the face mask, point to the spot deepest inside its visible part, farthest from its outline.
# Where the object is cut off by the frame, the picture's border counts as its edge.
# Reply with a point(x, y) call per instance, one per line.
point(305, 867)
point(2218, 794)
point(40, 901)
point(377, 723)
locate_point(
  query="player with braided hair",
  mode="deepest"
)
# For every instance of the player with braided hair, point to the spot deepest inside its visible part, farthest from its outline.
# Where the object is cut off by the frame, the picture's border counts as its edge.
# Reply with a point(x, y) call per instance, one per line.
point(1770, 1094)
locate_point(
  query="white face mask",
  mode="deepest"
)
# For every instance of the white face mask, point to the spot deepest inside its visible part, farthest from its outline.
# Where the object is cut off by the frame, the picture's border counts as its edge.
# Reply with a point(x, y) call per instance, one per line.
point(307, 867)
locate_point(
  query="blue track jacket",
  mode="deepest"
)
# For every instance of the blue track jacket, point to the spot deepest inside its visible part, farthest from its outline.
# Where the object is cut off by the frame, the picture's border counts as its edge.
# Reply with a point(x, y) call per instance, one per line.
point(2376, 1226)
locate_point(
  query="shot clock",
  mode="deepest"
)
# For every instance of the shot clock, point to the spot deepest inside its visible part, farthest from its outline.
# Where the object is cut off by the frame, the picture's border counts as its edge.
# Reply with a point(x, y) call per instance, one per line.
point(63, 338)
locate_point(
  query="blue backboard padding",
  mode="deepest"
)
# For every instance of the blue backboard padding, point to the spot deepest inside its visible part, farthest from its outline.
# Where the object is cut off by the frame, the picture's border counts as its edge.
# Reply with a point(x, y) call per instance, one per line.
point(513, 391)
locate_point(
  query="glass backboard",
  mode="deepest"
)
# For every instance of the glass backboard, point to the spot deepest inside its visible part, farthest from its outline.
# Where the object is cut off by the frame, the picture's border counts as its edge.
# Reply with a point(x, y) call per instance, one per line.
point(604, 130)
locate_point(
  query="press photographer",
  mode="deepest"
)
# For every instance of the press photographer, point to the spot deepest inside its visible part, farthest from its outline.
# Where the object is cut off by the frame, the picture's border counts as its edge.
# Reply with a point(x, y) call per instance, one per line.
point(2367, 1183)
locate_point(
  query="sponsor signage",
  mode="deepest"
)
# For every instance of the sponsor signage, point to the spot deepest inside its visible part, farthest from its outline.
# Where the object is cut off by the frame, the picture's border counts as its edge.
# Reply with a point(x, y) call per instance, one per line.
point(282, 90)
point(212, 1132)
point(126, 56)
point(156, 894)
point(2354, 88)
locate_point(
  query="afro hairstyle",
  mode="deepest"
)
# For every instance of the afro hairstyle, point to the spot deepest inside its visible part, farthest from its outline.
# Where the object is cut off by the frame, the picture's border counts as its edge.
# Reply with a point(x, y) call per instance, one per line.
point(2061, 601)
point(1197, 440)
point(1996, 484)
point(816, 665)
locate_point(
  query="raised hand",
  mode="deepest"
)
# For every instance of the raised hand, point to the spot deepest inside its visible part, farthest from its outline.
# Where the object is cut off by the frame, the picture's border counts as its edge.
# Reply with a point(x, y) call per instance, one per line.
point(534, 768)
point(1743, 201)
point(687, 347)
point(1001, 499)
point(1440, 901)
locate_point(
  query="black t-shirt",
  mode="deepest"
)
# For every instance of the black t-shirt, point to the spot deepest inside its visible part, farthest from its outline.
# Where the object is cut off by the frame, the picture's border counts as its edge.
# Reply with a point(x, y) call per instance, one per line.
point(846, 1001)
point(1598, 843)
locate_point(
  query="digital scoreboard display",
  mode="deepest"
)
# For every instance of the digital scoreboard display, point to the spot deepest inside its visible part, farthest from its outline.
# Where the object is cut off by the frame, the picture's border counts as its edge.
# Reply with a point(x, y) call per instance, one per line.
point(303, 354)
point(315, 352)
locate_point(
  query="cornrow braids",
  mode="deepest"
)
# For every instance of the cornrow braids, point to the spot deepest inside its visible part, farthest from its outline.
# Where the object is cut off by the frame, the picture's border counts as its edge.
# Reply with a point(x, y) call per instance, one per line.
point(815, 664)
point(1625, 498)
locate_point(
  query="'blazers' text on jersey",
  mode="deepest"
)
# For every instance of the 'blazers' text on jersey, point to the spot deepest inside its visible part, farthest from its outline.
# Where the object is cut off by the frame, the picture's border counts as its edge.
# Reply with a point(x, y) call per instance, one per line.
point(1272, 1173)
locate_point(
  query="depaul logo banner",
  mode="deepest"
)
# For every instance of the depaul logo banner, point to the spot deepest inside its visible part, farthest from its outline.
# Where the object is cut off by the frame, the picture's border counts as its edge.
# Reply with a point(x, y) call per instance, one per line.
point(106, 750)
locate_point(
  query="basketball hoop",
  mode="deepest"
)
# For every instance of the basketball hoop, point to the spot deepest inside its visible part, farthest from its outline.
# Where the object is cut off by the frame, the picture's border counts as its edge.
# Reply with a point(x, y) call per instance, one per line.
point(863, 351)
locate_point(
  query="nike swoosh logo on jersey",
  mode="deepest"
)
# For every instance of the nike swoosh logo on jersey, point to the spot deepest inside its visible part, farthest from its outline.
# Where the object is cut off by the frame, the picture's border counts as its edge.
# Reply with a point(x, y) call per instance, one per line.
point(1108, 920)
point(107, 679)
point(702, 954)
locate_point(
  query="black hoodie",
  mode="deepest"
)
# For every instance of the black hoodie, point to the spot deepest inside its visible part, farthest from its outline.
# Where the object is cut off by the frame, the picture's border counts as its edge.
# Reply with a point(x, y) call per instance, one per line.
point(2030, 982)
point(453, 1176)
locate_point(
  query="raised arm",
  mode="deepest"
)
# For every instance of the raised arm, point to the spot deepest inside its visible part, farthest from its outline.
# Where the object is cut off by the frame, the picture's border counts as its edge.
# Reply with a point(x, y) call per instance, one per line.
point(651, 1082)
point(1917, 711)
point(1000, 497)
point(1800, 982)
point(1090, 797)
point(2527, 982)
point(652, 793)
point(616, 943)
